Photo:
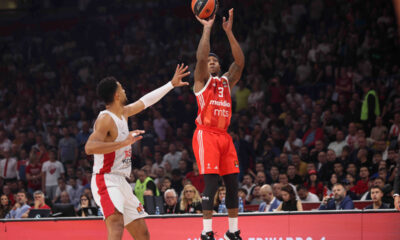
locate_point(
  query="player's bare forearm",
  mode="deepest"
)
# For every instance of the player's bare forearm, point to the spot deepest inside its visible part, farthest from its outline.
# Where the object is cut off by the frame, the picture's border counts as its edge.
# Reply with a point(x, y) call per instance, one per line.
point(201, 71)
point(236, 68)
point(204, 45)
point(237, 52)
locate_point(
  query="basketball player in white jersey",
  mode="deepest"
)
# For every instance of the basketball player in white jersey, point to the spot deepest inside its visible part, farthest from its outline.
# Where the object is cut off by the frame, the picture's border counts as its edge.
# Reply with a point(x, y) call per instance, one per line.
point(111, 143)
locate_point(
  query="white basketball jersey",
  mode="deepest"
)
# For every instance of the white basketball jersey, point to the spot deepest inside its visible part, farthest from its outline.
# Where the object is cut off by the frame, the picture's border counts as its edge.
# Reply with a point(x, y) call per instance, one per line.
point(119, 161)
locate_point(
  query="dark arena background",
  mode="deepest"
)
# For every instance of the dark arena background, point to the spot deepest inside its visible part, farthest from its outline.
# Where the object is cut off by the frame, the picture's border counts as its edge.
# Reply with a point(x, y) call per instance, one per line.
point(318, 104)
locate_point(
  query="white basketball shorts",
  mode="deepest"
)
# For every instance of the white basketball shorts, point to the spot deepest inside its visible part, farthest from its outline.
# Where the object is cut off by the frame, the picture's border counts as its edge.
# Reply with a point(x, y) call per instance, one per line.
point(112, 192)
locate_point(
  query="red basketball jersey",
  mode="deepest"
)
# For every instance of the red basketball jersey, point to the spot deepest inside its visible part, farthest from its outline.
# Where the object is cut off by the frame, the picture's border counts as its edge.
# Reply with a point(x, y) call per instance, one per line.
point(215, 104)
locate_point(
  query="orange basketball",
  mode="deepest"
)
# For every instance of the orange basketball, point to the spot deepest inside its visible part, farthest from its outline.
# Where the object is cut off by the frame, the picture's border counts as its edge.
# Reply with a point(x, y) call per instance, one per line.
point(204, 8)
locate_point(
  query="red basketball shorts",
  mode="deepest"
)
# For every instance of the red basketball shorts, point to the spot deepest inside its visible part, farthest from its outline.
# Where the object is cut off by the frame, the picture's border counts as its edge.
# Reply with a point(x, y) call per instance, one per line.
point(214, 152)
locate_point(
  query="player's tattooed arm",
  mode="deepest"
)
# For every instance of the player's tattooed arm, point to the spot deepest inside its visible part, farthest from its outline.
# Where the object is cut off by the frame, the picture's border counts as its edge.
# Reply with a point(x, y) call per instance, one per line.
point(236, 68)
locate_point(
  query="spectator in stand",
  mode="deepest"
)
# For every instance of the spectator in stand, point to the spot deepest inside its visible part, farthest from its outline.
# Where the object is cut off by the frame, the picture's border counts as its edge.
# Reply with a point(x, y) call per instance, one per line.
point(394, 131)
point(339, 171)
point(313, 185)
point(158, 162)
point(39, 203)
point(339, 201)
point(67, 148)
point(313, 134)
point(293, 143)
point(370, 106)
point(362, 184)
point(301, 167)
point(5, 142)
point(338, 145)
point(270, 202)
point(376, 196)
point(52, 170)
point(5, 206)
point(289, 201)
point(255, 197)
point(143, 183)
point(62, 186)
point(243, 194)
point(274, 174)
point(171, 205)
point(75, 192)
point(9, 194)
point(85, 207)
point(242, 96)
point(294, 179)
point(190, 200)
point(173, 156)
point(20, 207)
point(83, 134)
point(64, 198)
point(305, 195)
point(8, 167)
point(219, 198)
point(261, 178)
point(195, 178)
point(351, 138)
point(247, 184)
point(34, 172)
point(160, 125)
point(379, 131)
point(324, 170)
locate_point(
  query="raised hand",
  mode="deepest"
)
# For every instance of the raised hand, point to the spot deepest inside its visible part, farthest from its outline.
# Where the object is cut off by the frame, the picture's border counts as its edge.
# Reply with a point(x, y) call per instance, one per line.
point(227, 24)
point(207, 22)
point(180, 72)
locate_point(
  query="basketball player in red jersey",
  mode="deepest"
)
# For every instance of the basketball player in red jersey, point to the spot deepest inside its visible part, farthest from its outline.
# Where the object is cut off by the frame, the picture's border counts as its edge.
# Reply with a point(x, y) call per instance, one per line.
point(111, 143)
point(212, 145)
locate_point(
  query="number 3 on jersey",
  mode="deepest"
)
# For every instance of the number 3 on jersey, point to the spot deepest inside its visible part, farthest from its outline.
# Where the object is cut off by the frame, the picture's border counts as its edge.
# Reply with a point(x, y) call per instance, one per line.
point(220, 92)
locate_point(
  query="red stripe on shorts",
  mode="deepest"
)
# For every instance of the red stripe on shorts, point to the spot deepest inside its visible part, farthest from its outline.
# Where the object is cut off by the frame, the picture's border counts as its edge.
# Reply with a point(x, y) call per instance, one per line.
point(105, 200)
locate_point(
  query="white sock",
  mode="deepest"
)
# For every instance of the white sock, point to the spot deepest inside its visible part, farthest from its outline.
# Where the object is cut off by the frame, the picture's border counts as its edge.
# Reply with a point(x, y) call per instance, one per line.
point(207, 225)
point(233, 224)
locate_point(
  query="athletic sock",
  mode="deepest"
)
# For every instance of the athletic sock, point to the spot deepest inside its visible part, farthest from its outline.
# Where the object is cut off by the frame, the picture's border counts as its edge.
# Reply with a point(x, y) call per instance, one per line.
point(207, 226)
point(233, 224)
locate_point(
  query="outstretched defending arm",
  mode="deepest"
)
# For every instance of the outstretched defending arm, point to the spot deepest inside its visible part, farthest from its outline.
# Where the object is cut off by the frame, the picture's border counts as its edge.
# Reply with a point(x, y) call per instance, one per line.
point(236, 68)
point(155, 96)
point(201, 72)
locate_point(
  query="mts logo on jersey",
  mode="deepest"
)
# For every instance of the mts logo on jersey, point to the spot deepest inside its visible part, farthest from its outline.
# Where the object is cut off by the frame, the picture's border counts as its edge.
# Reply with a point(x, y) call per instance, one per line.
point(221, 112)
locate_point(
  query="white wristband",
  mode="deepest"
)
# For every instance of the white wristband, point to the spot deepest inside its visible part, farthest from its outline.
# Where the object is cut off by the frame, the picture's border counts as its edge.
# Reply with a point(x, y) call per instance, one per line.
point(155, 95)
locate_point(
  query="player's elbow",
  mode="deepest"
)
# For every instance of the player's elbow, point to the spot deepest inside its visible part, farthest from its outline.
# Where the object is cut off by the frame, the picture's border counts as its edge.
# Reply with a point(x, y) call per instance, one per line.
point(240, 63)
point(88, 149)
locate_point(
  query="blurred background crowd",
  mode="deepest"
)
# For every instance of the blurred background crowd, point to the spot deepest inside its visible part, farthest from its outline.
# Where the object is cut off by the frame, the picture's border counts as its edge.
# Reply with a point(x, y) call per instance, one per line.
point(316, 115)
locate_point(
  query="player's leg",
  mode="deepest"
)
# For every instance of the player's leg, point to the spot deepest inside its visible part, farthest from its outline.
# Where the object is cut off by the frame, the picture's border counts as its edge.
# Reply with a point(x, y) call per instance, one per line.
point(232, 203)
point(115, 225)
point(229, 171)
point(211, 186)
point(138, 229)
point(134, 214)
point(207, 158)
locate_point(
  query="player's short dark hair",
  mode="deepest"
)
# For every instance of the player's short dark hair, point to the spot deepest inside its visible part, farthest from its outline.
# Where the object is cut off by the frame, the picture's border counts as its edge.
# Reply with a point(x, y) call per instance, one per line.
point(106, 89)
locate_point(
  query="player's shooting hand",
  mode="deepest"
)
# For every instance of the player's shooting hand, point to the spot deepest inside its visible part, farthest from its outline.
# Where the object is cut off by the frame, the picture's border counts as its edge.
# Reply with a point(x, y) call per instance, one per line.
point(207, 22)
point(227, 24)
point(180, 72)
point(134, 136)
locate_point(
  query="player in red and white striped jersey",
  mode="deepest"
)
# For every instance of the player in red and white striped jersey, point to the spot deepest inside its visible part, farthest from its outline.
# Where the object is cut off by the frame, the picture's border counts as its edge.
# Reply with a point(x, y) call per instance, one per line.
point(111, 143)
